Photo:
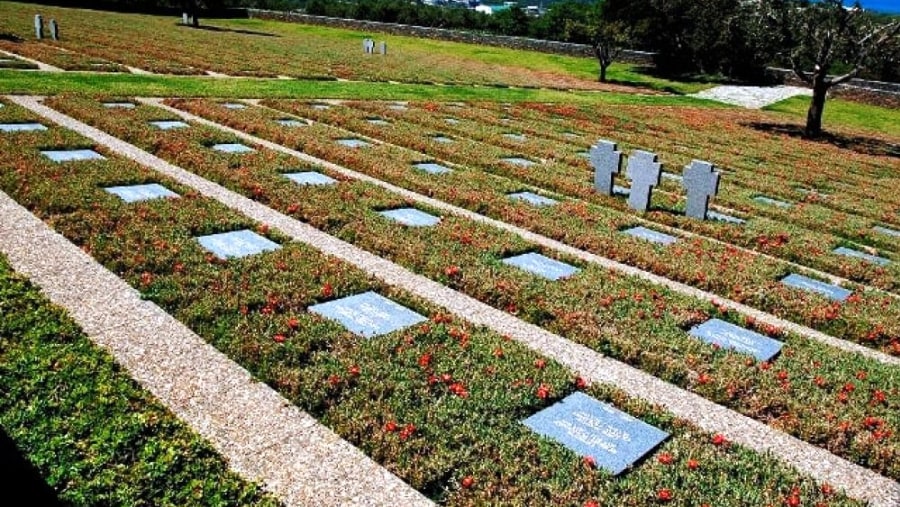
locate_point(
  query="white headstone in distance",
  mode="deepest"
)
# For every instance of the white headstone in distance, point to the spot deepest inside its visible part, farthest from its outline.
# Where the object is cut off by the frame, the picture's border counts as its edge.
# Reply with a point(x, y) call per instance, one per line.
point(54, 29)
point(38, 26)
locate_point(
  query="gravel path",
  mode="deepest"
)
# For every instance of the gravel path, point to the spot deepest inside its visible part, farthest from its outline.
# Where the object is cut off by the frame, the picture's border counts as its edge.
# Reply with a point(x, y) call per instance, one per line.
point(855, 480)
point(678, 287)
point(752, 97)
point(263, 436)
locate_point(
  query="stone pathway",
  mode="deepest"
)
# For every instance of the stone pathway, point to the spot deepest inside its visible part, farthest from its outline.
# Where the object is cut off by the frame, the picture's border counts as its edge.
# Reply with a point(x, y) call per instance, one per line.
point(527, 235)
point(40, 65)
point(752, 97)
point(856, 481)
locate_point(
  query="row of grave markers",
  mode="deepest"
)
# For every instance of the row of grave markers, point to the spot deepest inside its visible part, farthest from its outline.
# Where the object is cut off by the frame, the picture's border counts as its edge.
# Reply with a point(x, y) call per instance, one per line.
point(369, 47)
point(39, 28)
point(586, 426)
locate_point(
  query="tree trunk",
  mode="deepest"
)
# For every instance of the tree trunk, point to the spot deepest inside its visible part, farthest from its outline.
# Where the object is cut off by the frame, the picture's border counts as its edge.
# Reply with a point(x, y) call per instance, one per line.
point(195, 20)
point(603, 67)
point(601, 51)
point(817, 106)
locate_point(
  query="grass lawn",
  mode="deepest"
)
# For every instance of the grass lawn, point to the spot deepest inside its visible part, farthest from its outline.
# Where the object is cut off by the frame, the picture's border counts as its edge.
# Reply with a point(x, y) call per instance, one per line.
point(845, 113)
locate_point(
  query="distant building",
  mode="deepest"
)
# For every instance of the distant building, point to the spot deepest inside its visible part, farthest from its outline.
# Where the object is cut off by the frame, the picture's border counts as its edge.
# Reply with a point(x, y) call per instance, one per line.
point(494, 8)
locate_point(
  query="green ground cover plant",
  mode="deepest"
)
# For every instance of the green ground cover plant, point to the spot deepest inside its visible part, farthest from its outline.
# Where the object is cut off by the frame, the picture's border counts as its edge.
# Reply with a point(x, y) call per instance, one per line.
point(439, 404)
point(92, 432)
point(751, 279)
point(620, 316)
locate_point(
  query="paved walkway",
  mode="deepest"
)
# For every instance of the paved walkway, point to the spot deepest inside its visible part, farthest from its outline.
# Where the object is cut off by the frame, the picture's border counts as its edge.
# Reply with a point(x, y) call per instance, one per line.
point(857, 481)
point(752, 97)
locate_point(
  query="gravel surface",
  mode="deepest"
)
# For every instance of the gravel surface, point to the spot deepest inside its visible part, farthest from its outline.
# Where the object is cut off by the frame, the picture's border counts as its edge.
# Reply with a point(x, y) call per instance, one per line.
point(752, 97)
point(857, 481)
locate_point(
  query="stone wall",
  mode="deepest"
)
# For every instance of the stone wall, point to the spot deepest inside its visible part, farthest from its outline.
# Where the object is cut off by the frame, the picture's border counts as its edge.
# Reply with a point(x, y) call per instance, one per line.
point(543, 46)
point(787, 76)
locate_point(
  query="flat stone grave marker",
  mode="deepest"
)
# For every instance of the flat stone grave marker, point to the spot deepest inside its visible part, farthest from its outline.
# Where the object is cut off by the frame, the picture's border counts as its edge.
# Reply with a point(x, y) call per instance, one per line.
point(411, 217)
point(291, 122)
point(368, 314)
point(849, 252)
point(584, 154)
point(643, 170)
point(320, 107)
point(236, 244)
point(451, 121)
point(234, 105)
point(232, 148)
point(398, 107)
point(533, 199)
point(119, 105)
point(701, 182)
point(722, 217)
point(523, 162)
point(72, 155)
point(607, 163)
point(825, 289)
point(618, 190)
point(812, 191)
point(310, 178)
point(432, 168)
point(378, 121)
point(352, 143)
point(135, 193)
point(441, 139)
point(651, 235)
point(672, 176)
point(729, 336)
point(886, 230)
point(545, 267)
point(570, 135)
point(21, 127)
point(515, 137)
point(590, 428)
point(169, 124)
point(772, 202)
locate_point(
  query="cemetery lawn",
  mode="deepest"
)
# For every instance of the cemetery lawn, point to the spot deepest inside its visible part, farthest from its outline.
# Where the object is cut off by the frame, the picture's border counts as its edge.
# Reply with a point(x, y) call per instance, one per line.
point(88, 430)
point(435, 403)
point(102, 40)
point(481, 184)
point(845, 112)
point(634, 321)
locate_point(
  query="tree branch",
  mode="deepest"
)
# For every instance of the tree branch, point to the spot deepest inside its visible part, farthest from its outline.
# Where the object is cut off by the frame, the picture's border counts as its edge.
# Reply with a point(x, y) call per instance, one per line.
point(887, 32)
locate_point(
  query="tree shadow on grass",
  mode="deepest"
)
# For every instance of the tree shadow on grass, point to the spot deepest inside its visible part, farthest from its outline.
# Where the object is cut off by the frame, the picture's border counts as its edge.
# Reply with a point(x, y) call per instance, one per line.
point(230, 30)
point(859, 144)
point(19, 475)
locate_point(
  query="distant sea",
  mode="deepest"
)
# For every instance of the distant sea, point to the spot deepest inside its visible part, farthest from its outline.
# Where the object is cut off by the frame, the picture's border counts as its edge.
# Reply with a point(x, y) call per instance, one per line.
point(888, 6)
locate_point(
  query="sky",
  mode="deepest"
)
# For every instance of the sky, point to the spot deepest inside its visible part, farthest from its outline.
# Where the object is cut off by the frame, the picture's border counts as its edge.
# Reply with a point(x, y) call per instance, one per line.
point(892, 6)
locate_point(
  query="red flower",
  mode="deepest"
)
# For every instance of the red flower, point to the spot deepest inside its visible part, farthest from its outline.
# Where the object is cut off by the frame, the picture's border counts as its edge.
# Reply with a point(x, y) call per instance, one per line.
point(498, 352)
point(693, 464)
point(279, 338)
point(293, 323)
point(703, 379)
point(765, 365)
point(827, 490)
point(390, 426)
point(407, 431)
point(263, 228)
point(334, 380)
point(589, 462)
point(664, 495)
point(327, 290)
point(451, 271)
point(819, 381)
point(425, 360)
point(793, 500)
point(540, 364)
point(459, 389)
point(146, 278)
point(543, 391)
point(872, 422)
point(665, 458)
point(878, 396)
point(354, 370)
point(591, 503)
point(861, 375)
point(719, 439)
point(467, 482)
point(580, 383)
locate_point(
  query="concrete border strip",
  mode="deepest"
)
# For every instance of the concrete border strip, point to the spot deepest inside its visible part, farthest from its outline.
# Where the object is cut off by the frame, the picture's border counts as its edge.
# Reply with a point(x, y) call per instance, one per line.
point(855, 480)
point(544, 241)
